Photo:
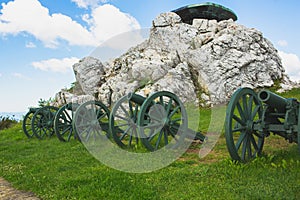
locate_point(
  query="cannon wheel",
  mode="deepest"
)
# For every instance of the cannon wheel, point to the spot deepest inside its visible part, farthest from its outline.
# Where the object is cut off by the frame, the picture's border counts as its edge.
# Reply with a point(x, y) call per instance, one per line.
point(27, 123)
point(91, 121)
point(162, 119)
point(299, 131)
point(43, 121)
point(244, 111)
point(63, 122)
point(123, 123)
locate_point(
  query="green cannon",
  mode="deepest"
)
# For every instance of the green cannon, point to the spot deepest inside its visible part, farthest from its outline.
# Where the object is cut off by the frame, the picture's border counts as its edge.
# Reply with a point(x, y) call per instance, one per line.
point(39, 122)
point(81, 121)
point(152, 121)
point(50, 120)
point(251, 117)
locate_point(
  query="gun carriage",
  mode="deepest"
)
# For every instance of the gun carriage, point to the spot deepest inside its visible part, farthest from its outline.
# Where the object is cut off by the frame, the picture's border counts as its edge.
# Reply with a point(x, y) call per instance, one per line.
point(133, 120)
point(251, 117)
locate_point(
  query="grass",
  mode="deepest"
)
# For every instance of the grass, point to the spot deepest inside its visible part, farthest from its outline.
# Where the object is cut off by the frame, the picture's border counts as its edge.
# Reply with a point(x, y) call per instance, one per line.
point(56, 170)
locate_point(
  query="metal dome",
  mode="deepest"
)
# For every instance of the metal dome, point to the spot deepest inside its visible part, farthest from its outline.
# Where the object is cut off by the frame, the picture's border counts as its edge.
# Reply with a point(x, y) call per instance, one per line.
point(205, 11)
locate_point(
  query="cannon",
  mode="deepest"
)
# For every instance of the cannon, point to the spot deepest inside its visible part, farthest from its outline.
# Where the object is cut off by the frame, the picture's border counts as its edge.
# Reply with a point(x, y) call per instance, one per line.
point(251, 117)
point(50, 120)
point(133, 121)
point(152, 122)
point(27, 122)
point(39, 122)
point(81, 121)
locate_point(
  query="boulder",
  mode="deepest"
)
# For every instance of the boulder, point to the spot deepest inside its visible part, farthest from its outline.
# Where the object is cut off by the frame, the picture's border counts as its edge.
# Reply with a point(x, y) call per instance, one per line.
point(88, 73)
point(201, 63)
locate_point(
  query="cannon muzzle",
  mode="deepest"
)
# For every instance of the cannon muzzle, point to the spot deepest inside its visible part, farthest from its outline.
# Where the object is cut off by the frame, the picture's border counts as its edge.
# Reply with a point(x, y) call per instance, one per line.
point(273, 100)
point(136, 98)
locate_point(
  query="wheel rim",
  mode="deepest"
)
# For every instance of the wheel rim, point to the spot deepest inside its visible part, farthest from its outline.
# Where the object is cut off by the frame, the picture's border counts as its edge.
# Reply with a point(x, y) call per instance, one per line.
point(298, 135)
point(123, 123)
point(91, 121)
point(63, 122)
point(43, 121)
point(27, 128)
point(244, 112)
point(162, 121)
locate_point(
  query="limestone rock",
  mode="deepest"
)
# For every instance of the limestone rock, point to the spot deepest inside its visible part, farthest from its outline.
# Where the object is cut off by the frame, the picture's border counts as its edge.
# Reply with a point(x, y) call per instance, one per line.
point(89, 72)
point(207, 60)
point(166, 19)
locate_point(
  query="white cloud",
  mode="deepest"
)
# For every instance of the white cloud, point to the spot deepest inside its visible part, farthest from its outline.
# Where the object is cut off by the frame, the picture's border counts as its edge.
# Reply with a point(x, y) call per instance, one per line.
point(291, 63)
point(114, 21)
point(56, 65)
point(31, 17)
point(282, 43)
point(21, 76)
point(88, 3)
point(30, 45)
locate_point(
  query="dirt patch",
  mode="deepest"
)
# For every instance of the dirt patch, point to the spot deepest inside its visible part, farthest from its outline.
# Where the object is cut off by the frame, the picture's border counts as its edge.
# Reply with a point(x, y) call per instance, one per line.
point(7, 192)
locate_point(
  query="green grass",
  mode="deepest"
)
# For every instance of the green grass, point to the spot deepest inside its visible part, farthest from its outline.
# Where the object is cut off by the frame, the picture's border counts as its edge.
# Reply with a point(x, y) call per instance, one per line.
point(56, 170)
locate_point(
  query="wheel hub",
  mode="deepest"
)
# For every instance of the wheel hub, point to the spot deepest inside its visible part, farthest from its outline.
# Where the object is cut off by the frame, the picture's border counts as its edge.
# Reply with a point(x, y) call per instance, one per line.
point(249, 126)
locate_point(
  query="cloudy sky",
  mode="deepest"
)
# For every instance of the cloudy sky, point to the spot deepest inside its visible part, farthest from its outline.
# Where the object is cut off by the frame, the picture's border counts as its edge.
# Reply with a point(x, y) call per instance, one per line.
point(40, 40)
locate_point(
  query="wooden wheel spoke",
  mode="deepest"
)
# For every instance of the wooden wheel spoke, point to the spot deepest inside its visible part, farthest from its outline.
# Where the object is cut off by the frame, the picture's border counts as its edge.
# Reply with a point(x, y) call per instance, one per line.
point(130, 108)
point(158, 139)
point(131, 137)
point(136, 136)
point(249, 150)
point(125, 111)
point(239, 129)
point(174, 111)
point(252, 140)
point(255, 111)
point(239, 120)
point(136, 109)
point(125, 133)
point(176, 119)
point(169, 105)
point(152, 125)
point(250, 104)
point(257, 134)
point(245, 106)
point(151, 135)
point(65, 130)
point(240, 140)
point(166, 138)
point(123, 118)
point(244, 148)
point(161, 100)
point(240, 110)
point(173, 132)
point(68, 116)
point(70, 135)
point(101, 116)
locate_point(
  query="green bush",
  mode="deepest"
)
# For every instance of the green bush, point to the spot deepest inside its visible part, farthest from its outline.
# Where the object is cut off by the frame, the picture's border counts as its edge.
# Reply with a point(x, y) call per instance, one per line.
point(6, 122)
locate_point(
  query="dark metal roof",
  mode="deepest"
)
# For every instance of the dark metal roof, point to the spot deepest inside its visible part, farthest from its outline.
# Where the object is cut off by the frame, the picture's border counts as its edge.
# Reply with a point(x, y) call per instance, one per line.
point(204, 11)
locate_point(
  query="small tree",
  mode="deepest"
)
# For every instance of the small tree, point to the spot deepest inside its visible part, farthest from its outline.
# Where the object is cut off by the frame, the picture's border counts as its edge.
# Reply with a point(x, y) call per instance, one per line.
point(43, 102)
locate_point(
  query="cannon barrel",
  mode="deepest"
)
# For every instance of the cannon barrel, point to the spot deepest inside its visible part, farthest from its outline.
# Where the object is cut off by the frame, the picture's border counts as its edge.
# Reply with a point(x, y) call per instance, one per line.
point(273, 100)
point(136, 98)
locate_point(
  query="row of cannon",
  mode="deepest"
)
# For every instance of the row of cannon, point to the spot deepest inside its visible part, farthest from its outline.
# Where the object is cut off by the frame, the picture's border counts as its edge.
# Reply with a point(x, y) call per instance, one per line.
point(134, 119)
point(160, 118)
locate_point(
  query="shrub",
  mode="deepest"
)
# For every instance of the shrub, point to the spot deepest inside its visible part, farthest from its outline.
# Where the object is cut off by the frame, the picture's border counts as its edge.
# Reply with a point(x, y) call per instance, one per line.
point(6, 122)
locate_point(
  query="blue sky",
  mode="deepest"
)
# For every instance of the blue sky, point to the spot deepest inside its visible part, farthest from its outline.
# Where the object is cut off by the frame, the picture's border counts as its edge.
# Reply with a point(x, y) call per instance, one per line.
point(40, 40)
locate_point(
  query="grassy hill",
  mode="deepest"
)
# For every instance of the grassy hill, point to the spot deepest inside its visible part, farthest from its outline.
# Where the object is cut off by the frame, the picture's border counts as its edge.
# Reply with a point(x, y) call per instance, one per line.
point(56, 170)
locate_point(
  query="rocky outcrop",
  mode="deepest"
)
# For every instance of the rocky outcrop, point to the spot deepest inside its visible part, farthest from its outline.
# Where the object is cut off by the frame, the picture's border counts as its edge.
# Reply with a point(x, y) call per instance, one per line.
point(205, 61)
point(89, 72)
